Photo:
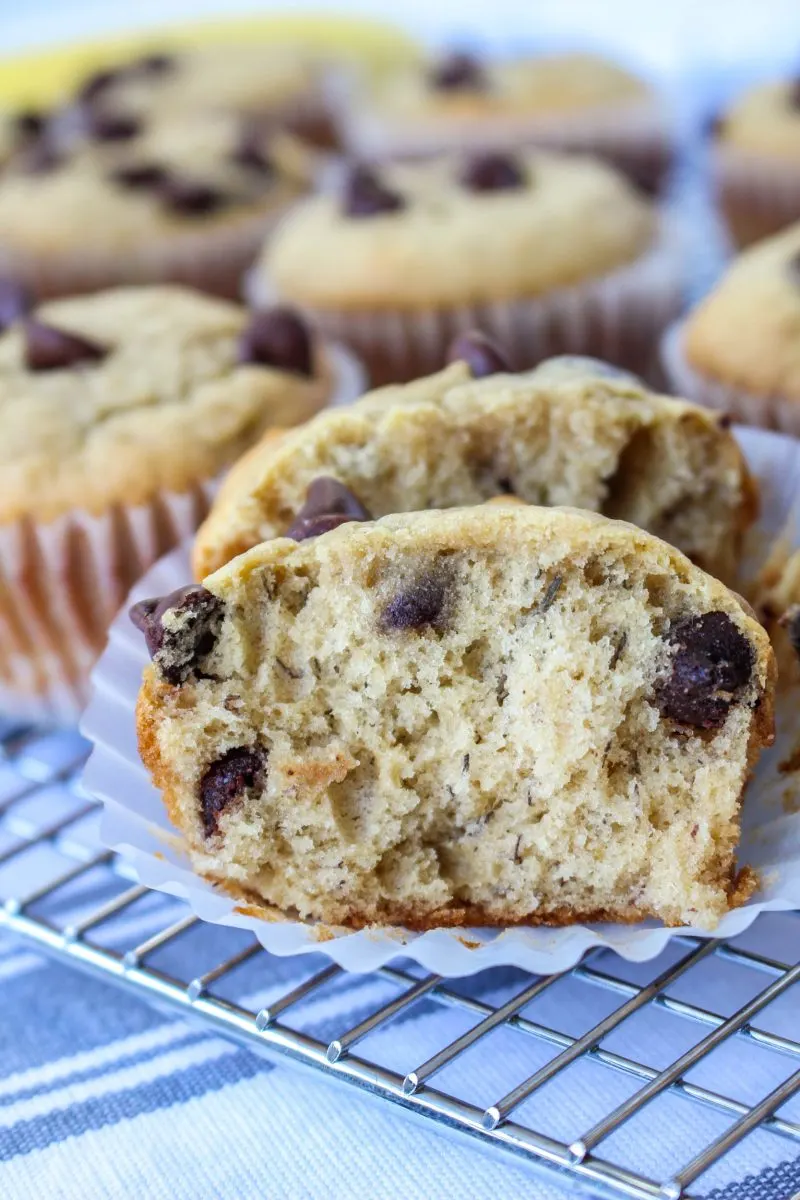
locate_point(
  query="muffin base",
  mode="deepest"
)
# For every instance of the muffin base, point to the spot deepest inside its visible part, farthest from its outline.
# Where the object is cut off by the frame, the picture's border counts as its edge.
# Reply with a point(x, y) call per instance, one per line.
point(757, 195)
point(766, 412)
point(618, 317)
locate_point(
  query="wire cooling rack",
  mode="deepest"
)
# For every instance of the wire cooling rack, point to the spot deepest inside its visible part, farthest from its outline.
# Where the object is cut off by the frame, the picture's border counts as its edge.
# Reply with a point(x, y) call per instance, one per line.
point(75, 894)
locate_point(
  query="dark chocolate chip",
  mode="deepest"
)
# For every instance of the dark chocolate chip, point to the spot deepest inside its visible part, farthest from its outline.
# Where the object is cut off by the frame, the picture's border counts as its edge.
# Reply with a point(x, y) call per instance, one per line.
point(15, 301)
point(51, 349)
point(365, 196)
point(419, 604)
point(112, 127)
point(190, 197)
point(139, 177)
point(154, 64)
point(29, 125)
point(251, 155)
point(711, 662)
point(179, 646)
point(328, 504)
point(278, 337)
point(492, 172)
point(458, 72)
point(97, 84)
point(480, 354)
point(227, 780)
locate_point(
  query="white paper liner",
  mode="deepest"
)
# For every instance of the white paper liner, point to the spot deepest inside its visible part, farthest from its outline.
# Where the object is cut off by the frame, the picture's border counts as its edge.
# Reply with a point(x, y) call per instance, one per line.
point(768, 412)
point(135, 822)
point(62, 581)
point(759, 195)
point(618, 316)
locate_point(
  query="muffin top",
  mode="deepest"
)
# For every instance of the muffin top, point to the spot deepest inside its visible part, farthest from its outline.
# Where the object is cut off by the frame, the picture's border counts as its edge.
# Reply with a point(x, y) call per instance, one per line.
point(490, 227)
point(170, 177)
point(461, 86)
point(747, 331)
point(231, 78)
point(765, 120)
point(108, 398)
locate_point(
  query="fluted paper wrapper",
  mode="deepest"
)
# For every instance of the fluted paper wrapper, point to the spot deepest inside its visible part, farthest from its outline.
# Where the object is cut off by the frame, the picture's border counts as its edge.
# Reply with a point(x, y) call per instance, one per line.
point(135, 822)
point(62, 581)
point(618, 316)
point(758, 195)
point(768, 412)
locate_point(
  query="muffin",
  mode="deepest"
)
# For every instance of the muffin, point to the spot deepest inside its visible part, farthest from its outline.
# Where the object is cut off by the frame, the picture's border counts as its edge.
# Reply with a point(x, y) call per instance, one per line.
point(573, 102)
point(278, 83)
point(756, 161)
point(547, 253)
point(119, 410)
point(572, 431)
point(485, 716)
point(738, 349)
point(187, 200)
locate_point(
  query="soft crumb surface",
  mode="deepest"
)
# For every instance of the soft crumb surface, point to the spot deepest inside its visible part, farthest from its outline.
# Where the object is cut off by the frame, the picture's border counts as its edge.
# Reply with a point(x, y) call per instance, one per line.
point(503, 759)
point(765, 120)
point(78, 203)
point(573, 220)
point(561, 434)
point(166, 406)
point(746, 333)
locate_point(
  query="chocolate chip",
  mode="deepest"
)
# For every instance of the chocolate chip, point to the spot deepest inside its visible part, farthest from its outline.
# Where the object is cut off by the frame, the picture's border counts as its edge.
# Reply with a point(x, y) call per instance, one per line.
point(15, 301)
point(365, 196)
point(190, 197)
point(711, 662)
point(479, 353)
point(328, 504)
point(29, 125)
point(493, 172)
point(40, 157)
point(227, 780)
point(154, 64)
point(97, 84)
point(251, 155)
point(179, 644)
point(417, 605)
point(458, 72)
point(51, 349)
point(278, 337)
point(112, 127)
point(139, 177)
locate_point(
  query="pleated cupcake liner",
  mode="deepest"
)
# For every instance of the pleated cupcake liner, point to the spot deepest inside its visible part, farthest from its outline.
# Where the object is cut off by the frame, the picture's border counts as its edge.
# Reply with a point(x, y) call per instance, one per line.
point(758, 196)
point(769, 412)
point(62, 581)
point(618, 316)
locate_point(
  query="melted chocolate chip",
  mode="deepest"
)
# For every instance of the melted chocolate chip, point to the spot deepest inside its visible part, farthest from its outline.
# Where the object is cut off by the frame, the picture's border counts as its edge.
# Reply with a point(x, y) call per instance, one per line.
point(178, 644)
point(278, 337)
point(328, 504)
point(458, 72)
point(51, 349)
point(492, 172)
point(711, 662)
point(190, 197)
point(139, 177)
point(419, 604)
point(15, 301)
point(479, 353)
point(112, 127)
point(365, 196)
point(227, 780)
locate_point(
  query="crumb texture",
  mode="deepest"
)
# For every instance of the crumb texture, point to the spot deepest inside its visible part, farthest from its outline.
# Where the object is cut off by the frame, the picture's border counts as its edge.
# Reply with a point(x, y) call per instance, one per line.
point(484, 715)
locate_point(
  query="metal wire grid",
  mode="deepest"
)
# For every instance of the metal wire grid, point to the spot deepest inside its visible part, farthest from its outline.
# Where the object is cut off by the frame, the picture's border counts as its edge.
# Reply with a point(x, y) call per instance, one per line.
point(32, 762)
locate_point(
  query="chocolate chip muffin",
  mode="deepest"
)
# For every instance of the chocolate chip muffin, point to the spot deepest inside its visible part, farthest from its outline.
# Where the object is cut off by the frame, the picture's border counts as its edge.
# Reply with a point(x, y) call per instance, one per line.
point(187, 200)
point(573, 431)
point(756, 157)
point(277, 82)
point(549, 253)
point(574, 102)
point(119, 410)
point(485, 716)
point(737, 351)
